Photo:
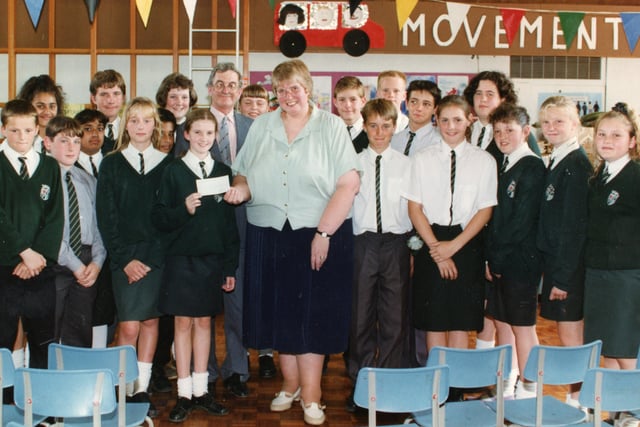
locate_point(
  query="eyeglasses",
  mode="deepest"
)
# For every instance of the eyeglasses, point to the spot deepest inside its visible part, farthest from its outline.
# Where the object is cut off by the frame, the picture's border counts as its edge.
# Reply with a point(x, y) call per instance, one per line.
point(293, 90)
point(220, 86)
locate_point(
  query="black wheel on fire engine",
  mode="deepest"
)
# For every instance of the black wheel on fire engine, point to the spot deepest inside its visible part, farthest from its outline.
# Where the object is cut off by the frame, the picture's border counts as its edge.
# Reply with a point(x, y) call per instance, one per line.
point(356, 43)
point(292, 44)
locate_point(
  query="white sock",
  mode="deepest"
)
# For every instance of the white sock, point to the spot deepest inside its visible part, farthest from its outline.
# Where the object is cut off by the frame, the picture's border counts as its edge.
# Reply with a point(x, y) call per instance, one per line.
point(200, 382)
point(480, 344)
point(510, 383)
point(129, 389)
point(27, 355)
point(185, 387)
point(99, 336)
point(144, 376)
point(18, 358)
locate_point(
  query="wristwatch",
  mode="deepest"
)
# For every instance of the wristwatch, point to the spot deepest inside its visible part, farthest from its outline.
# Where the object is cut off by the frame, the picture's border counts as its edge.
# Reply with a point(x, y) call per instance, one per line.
point(323, 234)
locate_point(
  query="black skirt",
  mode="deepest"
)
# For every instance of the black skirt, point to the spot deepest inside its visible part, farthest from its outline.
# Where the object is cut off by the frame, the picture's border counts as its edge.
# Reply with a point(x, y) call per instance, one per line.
point(449, 305)
point(192, 286)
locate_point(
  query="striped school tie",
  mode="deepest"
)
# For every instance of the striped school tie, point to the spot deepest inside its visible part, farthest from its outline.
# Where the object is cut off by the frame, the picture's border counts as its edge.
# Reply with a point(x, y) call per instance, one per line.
point(453, 182)
point(408, 146)
point(378, 204)
point(75, 235)
point(24, 172)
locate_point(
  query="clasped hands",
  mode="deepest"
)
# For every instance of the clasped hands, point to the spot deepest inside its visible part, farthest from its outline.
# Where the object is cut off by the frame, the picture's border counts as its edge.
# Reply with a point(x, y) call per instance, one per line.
point(442, 253)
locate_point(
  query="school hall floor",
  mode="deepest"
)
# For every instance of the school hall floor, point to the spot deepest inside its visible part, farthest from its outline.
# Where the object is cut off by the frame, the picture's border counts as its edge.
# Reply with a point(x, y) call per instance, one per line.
point(254, 409)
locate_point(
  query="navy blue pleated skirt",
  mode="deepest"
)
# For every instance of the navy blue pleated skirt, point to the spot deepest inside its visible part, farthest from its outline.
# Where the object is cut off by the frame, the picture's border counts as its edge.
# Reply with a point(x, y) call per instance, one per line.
point(287, 305)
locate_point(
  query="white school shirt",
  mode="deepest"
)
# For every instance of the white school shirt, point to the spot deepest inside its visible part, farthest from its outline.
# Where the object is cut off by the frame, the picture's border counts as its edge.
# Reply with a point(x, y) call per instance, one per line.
point(425, 136)
point(475, 185)
point(33, 159)
point(402, 122)
point(193, 162)
point(476, 128)
point(562, 151)
point(394, 177)
point(84, 161)
point(517, 154)
point(616, 166)
point(152, 157)
point(356, 128)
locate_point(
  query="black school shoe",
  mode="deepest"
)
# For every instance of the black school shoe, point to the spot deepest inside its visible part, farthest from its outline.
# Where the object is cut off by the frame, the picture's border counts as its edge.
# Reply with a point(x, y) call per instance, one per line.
point(143, 397)
point(181, 411)
point(206, 403)
point(267, 367)
point(236, 386)
point(159, 382)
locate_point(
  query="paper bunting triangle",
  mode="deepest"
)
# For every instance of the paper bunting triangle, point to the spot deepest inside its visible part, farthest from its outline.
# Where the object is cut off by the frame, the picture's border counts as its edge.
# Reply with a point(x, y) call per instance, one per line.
point(190, 7)
point(631, 24)
point(34, 7)
point(144, 9)
point(511, 19)
point(403, 10)
point(232, 5)
point(92, 6)
point(457, 12)
point(272, 3)
point(570, 21)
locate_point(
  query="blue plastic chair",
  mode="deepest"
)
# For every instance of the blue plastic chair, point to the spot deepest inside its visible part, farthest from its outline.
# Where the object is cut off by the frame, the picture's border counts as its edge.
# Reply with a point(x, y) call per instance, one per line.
point(471, 369)
point(123, 364)
point(402, 390)
point(10, 413)
point(609, 390)
point(554, 366)
point(65, 394)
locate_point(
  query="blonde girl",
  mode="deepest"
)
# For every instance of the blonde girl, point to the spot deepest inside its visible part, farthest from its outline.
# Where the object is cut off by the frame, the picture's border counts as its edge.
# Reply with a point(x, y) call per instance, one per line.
point(612, 290)
point(129, 180)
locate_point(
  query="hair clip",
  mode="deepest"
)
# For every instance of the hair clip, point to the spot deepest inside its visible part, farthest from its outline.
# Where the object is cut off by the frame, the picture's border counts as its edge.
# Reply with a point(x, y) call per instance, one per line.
point(621, 108)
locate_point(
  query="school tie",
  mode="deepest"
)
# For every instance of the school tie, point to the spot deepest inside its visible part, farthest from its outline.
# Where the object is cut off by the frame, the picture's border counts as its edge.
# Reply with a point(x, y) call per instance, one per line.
point(378, 204)
point(453, 182)
point(605, 174)
point(551, 163)
point(349, 130)
point(223, 141)
point(481, 137)
point(75, 235)
point(141, 163)
point(408, 146)
point(204, 171)
point(505, 163)
point(110, 131)
point(94, 168)
point(24, 172)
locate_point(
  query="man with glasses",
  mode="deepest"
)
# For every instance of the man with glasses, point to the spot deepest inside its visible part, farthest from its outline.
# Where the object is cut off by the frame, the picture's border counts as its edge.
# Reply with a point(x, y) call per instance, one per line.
point(224, 88)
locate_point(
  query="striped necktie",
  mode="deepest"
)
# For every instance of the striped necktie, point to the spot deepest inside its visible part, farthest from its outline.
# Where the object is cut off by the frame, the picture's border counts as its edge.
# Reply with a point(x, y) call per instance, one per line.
point(223, 141)
point(141, 163)
point(453, 183)
point(24, 172)
point(605, 175)
point(75, 235)
point(203, 170)
point(481, 137)
point(407, 148)
point(378, 204)
point(110, 131)
point(505, 163)
point(94, 168)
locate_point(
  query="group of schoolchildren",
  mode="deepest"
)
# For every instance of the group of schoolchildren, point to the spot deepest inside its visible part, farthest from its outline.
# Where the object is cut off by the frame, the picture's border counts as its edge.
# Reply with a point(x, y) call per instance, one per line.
point(457, 220)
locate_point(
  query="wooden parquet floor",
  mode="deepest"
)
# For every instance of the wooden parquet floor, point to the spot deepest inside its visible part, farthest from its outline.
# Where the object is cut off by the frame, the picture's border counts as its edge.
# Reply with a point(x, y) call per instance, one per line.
point(254, 409)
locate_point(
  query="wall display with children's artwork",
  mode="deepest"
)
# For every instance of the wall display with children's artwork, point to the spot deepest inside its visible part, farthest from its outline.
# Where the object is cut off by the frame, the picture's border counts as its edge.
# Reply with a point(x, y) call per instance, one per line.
point(298, 24)
point(324, 82)
point(586, 102)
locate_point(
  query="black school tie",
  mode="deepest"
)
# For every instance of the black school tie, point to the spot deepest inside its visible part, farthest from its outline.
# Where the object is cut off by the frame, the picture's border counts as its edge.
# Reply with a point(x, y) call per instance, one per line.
point(349, 130)
point(75, 235)
point(378, 204)
point(505, 163)
point(605, 174)
point(141, 163)
point(408, 146)
point(204, 171)
point(110, 131)
point(551, 163)
point(24, 172)
point(453, 183)
point(481, 137)
point(94, 168)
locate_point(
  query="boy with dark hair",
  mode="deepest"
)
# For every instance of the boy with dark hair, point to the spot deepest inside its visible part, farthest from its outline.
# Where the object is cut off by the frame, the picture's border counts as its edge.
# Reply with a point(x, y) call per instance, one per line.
point(422, 99)
point(348, 98)
point(31, 222)
point(108, 92)
point(92, 124)
point(82, 252)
